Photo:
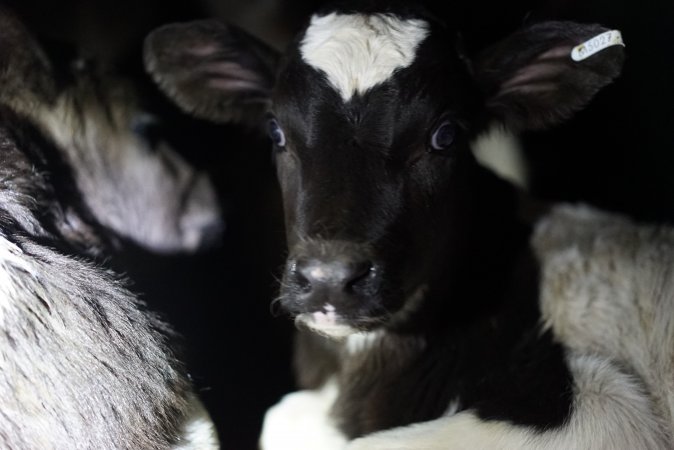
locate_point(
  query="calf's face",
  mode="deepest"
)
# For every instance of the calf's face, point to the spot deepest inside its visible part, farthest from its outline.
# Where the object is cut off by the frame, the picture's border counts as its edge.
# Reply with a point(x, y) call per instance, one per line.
point(368, 155)
point(371, 115)
point(129, 179)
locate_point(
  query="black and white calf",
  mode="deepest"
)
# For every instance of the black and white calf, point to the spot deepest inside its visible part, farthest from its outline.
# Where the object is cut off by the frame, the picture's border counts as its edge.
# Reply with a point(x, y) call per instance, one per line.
point(432, 316)
point(83, 364)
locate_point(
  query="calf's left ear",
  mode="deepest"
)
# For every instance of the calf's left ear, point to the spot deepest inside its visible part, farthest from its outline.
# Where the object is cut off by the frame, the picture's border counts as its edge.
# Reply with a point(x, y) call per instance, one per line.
point(212, 70)
point(541, 75)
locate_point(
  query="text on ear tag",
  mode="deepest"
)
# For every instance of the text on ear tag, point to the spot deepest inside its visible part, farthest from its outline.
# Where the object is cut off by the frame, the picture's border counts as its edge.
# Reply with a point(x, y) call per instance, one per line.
point(596, 44)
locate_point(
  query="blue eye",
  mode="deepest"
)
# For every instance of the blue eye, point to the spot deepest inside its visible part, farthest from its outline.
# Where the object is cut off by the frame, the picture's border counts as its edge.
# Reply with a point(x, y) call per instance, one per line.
point(276, 133)
point(443, 136)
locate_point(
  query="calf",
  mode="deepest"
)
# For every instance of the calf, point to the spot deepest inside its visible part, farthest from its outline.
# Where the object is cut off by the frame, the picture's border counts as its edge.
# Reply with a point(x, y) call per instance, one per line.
point(83, 364)
point(431, 315)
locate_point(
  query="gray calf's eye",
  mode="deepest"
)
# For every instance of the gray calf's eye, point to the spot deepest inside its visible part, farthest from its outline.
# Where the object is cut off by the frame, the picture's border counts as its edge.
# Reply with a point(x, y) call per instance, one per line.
point(147, 127)
point(443, 136)
point(276, 133)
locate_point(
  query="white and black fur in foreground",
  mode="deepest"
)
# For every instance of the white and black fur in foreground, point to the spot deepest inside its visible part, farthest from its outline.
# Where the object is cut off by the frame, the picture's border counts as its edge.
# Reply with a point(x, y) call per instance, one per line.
point(432, 316)
point(83, 363)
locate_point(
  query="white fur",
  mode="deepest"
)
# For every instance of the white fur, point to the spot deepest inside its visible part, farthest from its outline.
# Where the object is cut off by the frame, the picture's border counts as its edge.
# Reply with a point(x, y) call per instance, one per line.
point(66, 378)
point(358, 51)
point(611, 411)
point(453, 408)
point(148, 194)
point(301, 421)
point(609, 289)
point(199, 431)
point(499, 150)
point(364, 341)
point(11, 261)
point(326, 323)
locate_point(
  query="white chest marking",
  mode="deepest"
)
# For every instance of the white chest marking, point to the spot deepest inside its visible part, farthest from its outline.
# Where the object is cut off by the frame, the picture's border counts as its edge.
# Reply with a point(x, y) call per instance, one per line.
point(357, 51)
point(301, 421)
point(363, 341)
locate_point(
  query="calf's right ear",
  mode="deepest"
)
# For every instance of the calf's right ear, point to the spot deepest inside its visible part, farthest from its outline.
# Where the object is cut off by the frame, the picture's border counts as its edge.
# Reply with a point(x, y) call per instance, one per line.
point(541, 75)
point(212, 70)
point(26, 74)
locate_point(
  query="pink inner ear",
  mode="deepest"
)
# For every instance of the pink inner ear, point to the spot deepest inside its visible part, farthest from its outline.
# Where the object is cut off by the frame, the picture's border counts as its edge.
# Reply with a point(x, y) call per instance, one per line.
point(563, 51)
point(230, 76)
point(229, 84)
point(540, 74)
point(204, 49)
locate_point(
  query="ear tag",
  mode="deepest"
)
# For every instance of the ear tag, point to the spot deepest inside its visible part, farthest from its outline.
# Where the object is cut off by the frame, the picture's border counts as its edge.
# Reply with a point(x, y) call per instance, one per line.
point(596, 44)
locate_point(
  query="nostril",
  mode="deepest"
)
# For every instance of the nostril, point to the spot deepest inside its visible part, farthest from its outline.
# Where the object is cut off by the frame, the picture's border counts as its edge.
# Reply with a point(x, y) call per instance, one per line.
point(361, 273)
point(296, 271)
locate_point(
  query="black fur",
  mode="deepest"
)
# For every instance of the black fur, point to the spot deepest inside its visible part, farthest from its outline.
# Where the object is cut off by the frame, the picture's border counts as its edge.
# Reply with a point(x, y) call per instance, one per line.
point(452, 285)
point(477, 343)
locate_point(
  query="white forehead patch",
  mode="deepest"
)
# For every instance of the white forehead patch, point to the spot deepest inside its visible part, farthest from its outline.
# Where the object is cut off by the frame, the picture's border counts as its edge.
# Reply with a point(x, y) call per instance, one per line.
point(358, 51)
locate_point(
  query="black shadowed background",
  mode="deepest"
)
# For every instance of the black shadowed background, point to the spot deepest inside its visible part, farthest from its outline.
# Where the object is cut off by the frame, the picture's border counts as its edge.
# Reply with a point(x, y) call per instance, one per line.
point(617, 154)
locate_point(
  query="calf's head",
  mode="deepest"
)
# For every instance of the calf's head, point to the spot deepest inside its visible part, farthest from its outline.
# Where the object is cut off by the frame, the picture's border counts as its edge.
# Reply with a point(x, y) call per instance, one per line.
point(130, 180)
point(371, 115)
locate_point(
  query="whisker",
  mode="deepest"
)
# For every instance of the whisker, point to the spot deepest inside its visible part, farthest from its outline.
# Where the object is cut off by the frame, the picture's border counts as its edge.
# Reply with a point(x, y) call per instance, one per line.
point(275, 308)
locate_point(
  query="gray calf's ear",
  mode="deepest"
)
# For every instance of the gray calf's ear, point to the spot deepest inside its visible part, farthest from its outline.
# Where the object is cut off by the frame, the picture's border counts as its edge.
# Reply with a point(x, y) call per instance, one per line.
point(212, 70)
point(26, 75)
point(541, 75)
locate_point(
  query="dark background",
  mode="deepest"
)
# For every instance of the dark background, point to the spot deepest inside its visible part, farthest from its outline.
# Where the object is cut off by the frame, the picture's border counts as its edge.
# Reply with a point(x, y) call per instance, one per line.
point(617, 154)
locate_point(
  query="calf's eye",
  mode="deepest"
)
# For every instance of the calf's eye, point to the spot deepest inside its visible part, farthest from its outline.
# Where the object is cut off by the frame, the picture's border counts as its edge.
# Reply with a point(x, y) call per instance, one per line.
point(148, 128)
point(442, 137)
point(276, 133)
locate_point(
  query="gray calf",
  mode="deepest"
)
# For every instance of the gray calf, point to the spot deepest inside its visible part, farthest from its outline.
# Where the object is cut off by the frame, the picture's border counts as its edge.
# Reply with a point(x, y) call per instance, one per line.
point(83, 364)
